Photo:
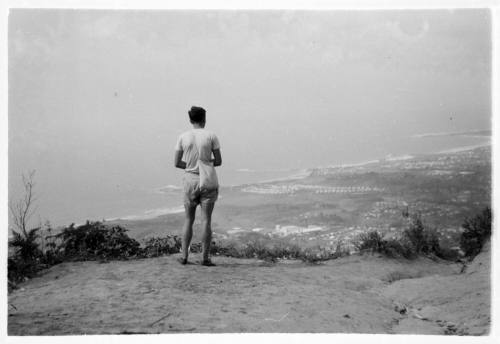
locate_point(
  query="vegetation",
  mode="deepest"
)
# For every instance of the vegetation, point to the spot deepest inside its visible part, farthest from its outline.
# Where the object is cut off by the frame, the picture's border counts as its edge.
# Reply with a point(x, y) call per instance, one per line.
point(155, 247)
point(97, 241)
point(94, 240)
point(415, 240)
point(421, 240)
point(23, 209)
point(418, 240)
point(31, 250)
point(272, 252)
point(477, 230)
point(26, 257)
point(373, 242)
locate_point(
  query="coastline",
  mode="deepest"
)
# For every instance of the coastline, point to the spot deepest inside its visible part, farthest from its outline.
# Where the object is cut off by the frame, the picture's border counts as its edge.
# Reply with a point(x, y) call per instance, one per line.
point(304, 173)
point(464, 148)
point(149, 214)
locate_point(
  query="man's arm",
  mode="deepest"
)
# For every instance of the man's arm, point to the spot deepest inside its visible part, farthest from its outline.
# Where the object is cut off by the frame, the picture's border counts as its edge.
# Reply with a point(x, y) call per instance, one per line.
point(178, 159)
point(217, 157)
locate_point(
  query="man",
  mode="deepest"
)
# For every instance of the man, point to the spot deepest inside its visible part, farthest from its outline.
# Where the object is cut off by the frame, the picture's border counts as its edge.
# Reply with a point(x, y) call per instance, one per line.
point(191, 146)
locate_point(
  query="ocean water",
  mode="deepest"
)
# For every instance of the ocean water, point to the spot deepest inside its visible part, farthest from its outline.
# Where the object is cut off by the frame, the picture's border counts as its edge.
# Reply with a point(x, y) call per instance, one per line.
point(98, 199)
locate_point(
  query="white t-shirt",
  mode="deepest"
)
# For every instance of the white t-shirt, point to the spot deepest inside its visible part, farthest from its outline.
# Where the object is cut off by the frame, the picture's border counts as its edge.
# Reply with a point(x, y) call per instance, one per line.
point(192, 140)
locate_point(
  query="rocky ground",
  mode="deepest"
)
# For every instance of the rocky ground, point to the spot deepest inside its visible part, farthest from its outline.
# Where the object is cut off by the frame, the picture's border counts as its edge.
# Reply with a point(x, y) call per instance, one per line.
point(356, 294)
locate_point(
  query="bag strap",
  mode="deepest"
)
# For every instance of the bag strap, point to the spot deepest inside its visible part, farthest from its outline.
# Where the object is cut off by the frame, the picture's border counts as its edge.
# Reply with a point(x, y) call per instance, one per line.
point(196, 144)
point(197, 148)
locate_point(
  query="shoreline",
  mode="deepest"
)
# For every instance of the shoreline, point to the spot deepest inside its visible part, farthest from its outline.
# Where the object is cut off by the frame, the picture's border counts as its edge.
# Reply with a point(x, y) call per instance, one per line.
point(464, 148)
point(303, 173)
point(149, 214)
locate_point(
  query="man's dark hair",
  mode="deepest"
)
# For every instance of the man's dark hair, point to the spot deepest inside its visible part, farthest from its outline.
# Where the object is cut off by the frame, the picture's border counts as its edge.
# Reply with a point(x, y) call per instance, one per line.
point(197, 114)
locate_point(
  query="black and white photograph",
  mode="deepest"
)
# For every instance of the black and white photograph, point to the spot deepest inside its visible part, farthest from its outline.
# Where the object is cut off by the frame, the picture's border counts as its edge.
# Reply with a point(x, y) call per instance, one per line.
point(241, 171)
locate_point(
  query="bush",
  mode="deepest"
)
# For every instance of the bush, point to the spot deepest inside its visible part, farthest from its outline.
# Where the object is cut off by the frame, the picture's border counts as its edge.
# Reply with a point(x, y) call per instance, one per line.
point(252, 249)
point(25, 260)
point(280, 250)
point(394, 248)
point(26, 246)
point(257, 249)
point(287, 251)
point(422, 240)
point(195, 247)
point(154, 247)
point(224, 249)
point(415, 234)
point(94, 240)
point(477, 232)
point(19, 269)
point(371, 241)
point(87, 242)
point(415, 240)
point(322, 254)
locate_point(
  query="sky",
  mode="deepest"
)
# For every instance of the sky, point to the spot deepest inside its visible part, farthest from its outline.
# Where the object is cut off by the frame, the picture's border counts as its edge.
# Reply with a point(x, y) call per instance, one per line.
point(97, 98)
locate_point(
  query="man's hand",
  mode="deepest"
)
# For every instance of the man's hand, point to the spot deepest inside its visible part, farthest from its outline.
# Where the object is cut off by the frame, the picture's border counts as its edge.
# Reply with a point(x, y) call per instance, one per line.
point(178, 160)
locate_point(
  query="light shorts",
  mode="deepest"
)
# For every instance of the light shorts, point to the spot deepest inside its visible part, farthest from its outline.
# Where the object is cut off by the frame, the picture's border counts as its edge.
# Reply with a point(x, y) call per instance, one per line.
point(192, 193)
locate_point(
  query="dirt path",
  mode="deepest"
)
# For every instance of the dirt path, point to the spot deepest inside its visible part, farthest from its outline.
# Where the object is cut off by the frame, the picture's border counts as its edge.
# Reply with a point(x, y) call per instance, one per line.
point(357, 294)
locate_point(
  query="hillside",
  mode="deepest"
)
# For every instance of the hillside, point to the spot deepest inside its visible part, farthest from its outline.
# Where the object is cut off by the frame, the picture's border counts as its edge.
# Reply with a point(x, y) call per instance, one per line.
point(355, 294)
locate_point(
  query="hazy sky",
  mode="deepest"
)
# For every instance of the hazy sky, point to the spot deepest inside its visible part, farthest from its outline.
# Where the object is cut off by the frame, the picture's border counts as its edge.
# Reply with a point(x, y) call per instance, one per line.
point(98, 98)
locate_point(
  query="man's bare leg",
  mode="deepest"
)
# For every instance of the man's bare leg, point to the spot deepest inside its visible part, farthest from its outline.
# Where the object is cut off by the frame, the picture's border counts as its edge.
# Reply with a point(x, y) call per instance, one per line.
point(187, 234)
point(206, 225)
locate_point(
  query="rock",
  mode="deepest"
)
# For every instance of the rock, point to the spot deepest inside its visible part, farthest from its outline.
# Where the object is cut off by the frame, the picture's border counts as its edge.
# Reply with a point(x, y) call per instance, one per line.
point(400, 308)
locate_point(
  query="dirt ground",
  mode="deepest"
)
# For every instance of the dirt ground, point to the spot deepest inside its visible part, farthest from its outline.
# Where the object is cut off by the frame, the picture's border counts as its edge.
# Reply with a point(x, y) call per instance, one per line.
point(356, 294)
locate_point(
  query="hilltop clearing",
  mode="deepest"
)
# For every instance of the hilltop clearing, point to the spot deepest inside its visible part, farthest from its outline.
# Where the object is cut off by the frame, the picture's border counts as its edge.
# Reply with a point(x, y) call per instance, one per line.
point(355, 294)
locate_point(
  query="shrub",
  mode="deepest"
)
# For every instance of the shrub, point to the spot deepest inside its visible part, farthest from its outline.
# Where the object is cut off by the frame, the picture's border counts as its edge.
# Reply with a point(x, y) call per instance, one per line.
point(224, 249)
point(421, 239)
point(370, 241)
point(154, 247)
point(280, 250)
point(252, 249)
point(87, 242)
point(257, 249)
point(415, 240)
point(395, 248)
point(195, 247)
point(321, 254)
point(288, 251)
point(25, 260)
point(477, 232)
point(19, 269)
point(25, 245)
point(415, 233)
point(94, 240)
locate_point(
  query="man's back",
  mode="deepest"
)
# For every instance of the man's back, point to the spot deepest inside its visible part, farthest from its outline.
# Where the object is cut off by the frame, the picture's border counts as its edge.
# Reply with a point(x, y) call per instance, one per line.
point(197, 141)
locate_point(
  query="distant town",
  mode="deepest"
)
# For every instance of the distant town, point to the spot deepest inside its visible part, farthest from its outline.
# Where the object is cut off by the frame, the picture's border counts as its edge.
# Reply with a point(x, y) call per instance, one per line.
point(344, 201)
